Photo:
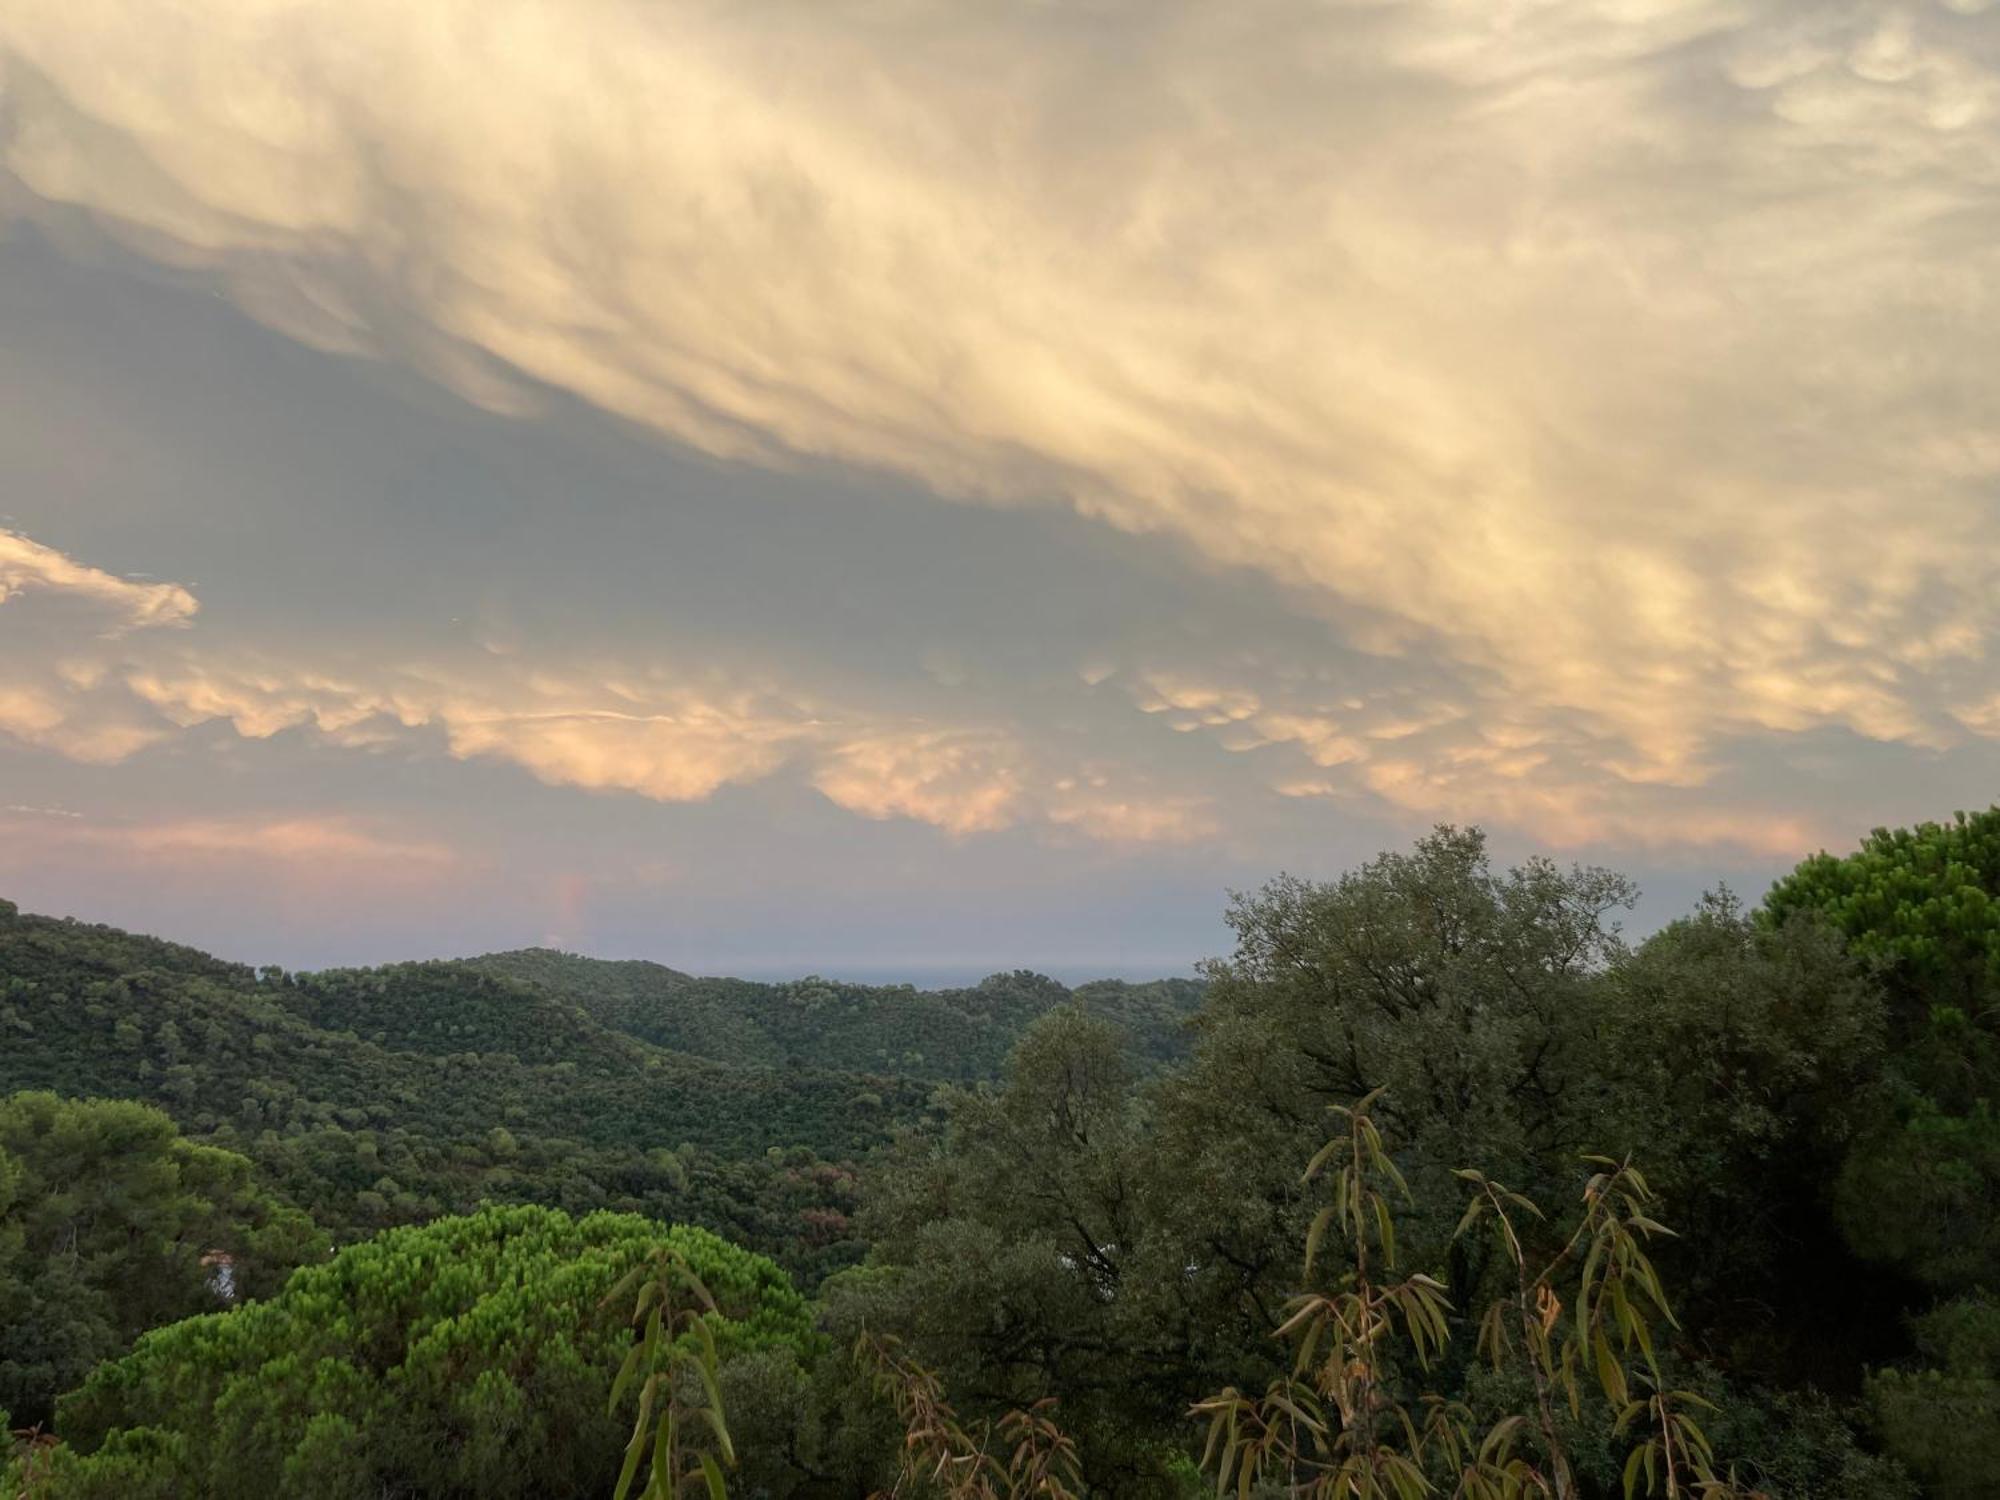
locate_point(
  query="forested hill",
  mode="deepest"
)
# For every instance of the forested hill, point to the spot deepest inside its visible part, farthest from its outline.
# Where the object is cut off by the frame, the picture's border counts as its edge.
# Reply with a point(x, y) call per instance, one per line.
point(437, 1046)
point(379, 1096)
point(956, 1034)
point(1803, 1092)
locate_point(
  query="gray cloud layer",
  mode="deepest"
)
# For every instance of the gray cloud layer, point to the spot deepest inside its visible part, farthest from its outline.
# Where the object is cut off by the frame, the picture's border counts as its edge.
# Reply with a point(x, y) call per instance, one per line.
point(1621, 372)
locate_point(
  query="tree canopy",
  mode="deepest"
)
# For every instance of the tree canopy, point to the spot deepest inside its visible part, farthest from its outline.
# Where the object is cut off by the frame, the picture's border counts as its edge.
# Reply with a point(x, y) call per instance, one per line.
point(469, 1357)
point(1041, 1227)
point(111, 1224)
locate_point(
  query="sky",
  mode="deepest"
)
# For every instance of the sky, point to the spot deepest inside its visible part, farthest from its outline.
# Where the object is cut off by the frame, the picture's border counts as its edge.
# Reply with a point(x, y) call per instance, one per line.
point(900, 489)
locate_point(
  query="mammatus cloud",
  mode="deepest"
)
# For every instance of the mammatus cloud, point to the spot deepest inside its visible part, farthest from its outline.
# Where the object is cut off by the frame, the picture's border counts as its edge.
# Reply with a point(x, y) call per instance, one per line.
point(1623, 369)
point(1291, 729)
point(1430, 756)
point(670, 736)
point(54, 662)
point(683, 737)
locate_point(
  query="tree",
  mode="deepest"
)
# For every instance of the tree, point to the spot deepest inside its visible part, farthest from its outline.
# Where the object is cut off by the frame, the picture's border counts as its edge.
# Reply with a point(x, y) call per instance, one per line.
point(1025, 1456)
point(1018, 1257)
point(1923, 905)
point(1942, 1417)
point(1342, 1424)
point(1739, 1055)
point(1516, 1031)
point(109, 1223)
point(1468, 994)
point(471, 1356)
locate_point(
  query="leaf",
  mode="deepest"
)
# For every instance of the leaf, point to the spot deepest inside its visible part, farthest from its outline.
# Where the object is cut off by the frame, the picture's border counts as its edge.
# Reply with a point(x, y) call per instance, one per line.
point(624, 1286)
point(650, 1345)
point(1321, 1157)
point(1317, 1232)
point(1471, 1216)
point(634, 1451)
point(625, 1373)
point(1698, 1439)
point(663, 1452)
point(712, 1472)
point(1632, 1463)
point(1386, 1232)
point(713, 1416)
point(1610, 1374)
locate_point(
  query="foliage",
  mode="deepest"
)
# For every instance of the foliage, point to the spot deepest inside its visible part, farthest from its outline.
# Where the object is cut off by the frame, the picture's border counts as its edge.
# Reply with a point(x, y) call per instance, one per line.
point(373, 1098)
point(390, 1096)
point(956, 1034)
point(1942, 1417)
point(1086, 1206)
point(1739, 1057)
point(673, 1366)
point(1339, 1428)
point(111, 1223)
point(472, 1356)
point(940, 1455)
point(1516, 1031)
point(1021, 1256)
point(1923, 903)
point(1332, 1426)
point(1925, 900)
point(1918, 1190)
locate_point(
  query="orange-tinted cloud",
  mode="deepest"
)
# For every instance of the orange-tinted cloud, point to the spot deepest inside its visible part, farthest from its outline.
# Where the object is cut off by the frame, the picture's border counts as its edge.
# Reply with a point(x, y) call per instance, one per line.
point(28, 566)
point(1635, 358)
point(1616, 375)
point(306, 845)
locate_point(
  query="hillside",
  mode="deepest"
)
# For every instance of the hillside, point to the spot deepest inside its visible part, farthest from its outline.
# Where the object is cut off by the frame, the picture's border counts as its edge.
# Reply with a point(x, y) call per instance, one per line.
point(1107, 1240)
point(380, 1096)
point(434, 1045)
point(958, 1034)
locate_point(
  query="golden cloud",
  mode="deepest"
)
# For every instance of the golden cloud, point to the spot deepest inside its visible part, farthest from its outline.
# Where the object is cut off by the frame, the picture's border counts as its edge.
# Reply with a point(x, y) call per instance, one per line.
point(1629, 362)
point(28, 566)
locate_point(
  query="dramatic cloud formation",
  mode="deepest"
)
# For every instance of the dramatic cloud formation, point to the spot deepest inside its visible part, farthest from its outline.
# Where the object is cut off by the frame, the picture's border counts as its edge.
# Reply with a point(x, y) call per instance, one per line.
point(1600, 346)
point(26, 565)
point(54, 665)
point(672, 737)
point(1601, 391)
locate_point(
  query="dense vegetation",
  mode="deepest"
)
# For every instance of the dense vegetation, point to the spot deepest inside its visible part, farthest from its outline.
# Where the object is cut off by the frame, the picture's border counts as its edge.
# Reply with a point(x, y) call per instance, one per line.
point(111, 1224)
point(468, 1357)
point(372, 1098)
point(1055, 1224)
point(963, 1035)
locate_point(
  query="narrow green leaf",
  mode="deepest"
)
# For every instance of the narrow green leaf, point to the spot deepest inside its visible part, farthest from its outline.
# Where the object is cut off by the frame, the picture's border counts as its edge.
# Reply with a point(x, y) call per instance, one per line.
point(1632, 1463)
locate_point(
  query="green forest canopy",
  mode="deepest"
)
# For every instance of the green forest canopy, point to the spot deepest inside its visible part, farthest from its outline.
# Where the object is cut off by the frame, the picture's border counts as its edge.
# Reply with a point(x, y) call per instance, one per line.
point(1064, 1196)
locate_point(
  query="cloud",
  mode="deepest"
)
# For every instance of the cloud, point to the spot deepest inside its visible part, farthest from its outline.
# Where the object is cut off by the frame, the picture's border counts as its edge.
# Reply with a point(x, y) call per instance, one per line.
point(682, 756)
point(961, 783)
point(286, 839)
point(1621, 372)
point(309, 844)
point(668, 734)
point(1106, 808)
point(29, 566)
point(681, 737)
point(1424, 753)
point(61, 624)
